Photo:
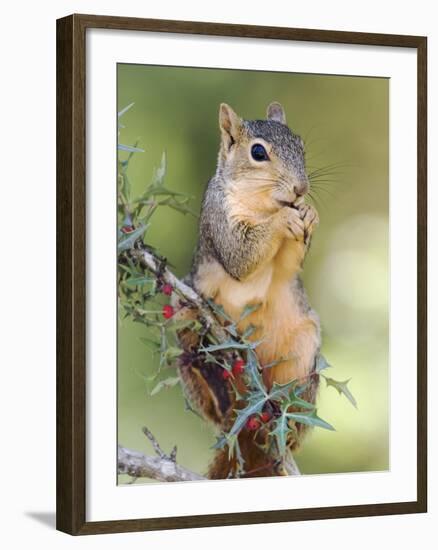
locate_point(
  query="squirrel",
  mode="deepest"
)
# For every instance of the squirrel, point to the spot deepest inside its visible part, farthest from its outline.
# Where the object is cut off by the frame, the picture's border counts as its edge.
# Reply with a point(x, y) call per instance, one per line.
point(255, 230)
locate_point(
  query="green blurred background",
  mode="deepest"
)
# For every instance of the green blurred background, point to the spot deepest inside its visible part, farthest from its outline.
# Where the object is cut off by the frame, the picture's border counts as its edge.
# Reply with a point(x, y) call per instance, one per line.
point(343, 120)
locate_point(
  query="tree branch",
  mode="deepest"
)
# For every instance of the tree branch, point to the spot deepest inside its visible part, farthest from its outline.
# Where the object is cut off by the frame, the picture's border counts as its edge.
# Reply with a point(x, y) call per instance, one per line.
point(161, 467)
point(185, 291)
point(164, 467)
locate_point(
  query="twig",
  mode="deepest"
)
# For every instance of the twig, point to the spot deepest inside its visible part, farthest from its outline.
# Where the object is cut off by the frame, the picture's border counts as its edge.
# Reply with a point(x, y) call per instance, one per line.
point(162, 467)
point(155, 444)
point(138, 465)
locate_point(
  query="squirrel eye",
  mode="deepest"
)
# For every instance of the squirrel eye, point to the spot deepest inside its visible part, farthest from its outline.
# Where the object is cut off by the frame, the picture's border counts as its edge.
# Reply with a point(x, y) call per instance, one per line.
point(258, 152)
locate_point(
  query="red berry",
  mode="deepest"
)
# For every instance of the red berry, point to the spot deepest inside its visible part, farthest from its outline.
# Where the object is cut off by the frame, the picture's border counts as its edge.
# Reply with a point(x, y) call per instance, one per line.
point(253, 423)
point(226, 374)
point(167, 289)
point(238, 367)
point(127, 229)
point(168, 311)
point(265, 416)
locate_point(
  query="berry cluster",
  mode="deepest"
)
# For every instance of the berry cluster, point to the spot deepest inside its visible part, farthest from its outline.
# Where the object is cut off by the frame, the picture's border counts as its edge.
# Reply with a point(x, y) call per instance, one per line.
point(237, 369)
point(254, 423)
point(168, 310)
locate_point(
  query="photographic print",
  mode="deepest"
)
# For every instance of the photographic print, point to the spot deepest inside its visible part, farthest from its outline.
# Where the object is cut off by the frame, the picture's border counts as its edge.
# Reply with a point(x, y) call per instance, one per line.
point(253, 274)
point(241, 274)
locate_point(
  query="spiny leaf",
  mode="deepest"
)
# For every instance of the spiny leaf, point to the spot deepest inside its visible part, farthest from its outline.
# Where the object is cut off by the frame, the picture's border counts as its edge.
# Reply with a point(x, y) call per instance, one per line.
point(184, 323)
point(129, 148)
point(188, 407)
point(342, 389)
point(282, 391)
point(159, 191)
point(232, 344)
point(131, 270)
point(281, 432)
point(279, 361)
point(248, 309)
point(128, 242)
point(167, 383)
point(254, 372)
point(172, 353)
point(311, 419)
point(160, 172)
point(150, 343)
point(231, 329)
point(138, 281)
point(249, 331)
point(219, 310)
point(321, 364)
point(123, 111)
point(255, 405)
point(221, 441)
point(296, 401)
point(237, 394)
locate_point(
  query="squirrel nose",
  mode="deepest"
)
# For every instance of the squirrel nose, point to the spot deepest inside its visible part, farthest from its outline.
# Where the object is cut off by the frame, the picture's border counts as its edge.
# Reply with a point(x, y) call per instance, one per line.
point(301, 188)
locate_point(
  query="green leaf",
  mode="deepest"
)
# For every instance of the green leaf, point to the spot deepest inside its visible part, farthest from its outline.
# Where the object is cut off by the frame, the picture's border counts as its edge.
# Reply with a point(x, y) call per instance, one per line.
point(279, 361)
point(282, 391)
point(123, 111)
point(300, 403)
point(280, 433)
point(160, 172)
point(129, 148)
point(231, 329)
point(232, 344)
point(184, 323)
point(150, 343)
point(128, 242)
point(243, 415)
point(221, 441)
point(138, 281)
point(219, 310)
point(167, 383)
point(158, 191)
point(248, 309)
point(249, 331)
point(131, 270)
point(188, 407)
point(342, 389)
point(253, 370)
point(172, 353)
point(311, 419)
point(321, 364)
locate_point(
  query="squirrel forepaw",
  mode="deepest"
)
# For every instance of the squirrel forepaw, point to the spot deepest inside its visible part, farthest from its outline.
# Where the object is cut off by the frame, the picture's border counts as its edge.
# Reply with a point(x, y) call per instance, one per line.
point(310, 219)
point(294, 223)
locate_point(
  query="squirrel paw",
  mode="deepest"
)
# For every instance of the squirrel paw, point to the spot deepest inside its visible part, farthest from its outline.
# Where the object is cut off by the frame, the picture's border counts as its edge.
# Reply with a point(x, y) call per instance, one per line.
point(294, 223)
point(310, 219)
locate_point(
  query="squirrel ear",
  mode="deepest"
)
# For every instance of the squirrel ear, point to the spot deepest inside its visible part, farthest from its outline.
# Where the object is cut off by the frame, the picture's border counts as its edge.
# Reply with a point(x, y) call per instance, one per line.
point(229, 124)
point(276, 112)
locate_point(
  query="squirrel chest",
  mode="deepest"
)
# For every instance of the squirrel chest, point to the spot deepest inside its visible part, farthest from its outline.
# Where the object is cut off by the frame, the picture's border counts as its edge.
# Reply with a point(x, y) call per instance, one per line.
point(280, 322)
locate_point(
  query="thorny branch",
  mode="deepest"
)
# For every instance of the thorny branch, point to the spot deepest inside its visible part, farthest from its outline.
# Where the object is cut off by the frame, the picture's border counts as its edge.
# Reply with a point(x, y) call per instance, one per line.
point(152, 264)
point(164, 467)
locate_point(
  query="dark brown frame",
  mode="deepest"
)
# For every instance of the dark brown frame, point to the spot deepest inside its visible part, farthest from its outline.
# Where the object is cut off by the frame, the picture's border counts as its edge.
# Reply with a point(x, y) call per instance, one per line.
point(71, 269)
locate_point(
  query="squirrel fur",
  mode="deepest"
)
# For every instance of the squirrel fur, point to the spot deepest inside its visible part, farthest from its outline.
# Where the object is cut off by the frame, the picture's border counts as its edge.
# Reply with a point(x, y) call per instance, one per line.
point(255, 230)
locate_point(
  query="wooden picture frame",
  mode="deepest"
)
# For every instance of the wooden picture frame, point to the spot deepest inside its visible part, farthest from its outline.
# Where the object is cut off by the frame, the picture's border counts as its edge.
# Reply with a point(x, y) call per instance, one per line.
point(71, 273)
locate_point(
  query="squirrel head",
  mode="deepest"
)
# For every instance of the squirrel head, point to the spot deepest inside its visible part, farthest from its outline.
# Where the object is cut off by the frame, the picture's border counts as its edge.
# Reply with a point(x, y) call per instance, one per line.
point(262, 161)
